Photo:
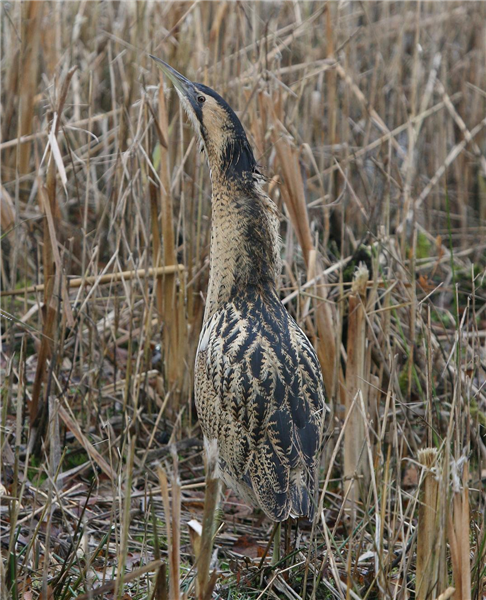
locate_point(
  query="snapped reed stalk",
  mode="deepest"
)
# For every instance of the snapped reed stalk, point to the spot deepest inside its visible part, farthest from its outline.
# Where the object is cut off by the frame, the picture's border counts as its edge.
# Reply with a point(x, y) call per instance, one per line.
point(356, 464)
point(458, 529)
point(77, 282)
point(172, 512)
point(431, 559)
point(160, 591)
point(205, 580)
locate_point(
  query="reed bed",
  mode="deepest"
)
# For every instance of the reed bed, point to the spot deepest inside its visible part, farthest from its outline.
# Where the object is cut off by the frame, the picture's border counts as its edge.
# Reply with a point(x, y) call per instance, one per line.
point(368, 120)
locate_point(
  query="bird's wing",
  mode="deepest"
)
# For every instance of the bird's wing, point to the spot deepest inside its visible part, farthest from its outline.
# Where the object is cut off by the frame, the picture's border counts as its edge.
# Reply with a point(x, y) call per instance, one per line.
point(268, 401)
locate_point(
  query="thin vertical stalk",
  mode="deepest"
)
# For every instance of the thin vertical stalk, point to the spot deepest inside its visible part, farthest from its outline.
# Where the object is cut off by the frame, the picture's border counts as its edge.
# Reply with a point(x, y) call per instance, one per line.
point(28, 85)
point(458, 529)
point(356, 463)
point(204, 579)
point(430, 534)
point(171, 313)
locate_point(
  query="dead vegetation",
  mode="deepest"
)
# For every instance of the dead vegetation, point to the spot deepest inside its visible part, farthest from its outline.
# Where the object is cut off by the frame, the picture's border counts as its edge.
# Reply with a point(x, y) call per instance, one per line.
point(368, 120)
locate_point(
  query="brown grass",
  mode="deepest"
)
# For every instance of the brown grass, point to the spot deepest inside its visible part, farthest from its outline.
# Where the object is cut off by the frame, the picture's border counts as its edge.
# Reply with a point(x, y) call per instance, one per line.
point(368, 120)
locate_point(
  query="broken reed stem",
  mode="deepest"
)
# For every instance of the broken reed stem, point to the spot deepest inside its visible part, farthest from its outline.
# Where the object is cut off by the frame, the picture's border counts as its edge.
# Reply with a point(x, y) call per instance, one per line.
point(430, 534)
point(355, 458)
point(447, 594)
point(160, 588)
point(77, 282)
point(458, 529)
point(172, 514)
point(205, 581)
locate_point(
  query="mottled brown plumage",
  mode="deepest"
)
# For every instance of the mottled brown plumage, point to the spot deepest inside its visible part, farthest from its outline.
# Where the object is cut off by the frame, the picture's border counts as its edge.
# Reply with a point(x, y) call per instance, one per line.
point(258, 384)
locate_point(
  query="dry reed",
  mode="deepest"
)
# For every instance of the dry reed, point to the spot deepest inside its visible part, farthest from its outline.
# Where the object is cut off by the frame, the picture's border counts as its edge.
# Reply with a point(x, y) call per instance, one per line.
point(431, 544)
point(368, 121)
point(356, 466)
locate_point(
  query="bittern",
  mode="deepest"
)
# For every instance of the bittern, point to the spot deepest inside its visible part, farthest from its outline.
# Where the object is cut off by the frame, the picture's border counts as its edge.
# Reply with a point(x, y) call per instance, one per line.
point(258, 384)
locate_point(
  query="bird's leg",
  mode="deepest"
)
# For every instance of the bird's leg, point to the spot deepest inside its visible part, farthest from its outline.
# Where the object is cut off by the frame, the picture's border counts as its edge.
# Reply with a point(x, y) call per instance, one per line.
point(276, 543)
point(269, 543)
point(288, 544)
point(288, 534)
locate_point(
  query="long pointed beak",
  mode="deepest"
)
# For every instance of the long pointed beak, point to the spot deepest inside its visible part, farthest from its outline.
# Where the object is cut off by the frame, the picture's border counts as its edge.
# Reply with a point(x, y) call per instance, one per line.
point(181, 83)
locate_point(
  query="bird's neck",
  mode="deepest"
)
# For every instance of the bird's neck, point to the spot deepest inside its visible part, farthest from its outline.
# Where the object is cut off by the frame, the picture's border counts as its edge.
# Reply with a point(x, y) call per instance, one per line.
point(244, 243)
point(230, 161)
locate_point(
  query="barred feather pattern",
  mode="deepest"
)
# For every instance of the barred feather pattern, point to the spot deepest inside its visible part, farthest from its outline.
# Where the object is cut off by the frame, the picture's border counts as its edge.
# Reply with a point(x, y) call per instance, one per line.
point(258, 384)
point(259, 393)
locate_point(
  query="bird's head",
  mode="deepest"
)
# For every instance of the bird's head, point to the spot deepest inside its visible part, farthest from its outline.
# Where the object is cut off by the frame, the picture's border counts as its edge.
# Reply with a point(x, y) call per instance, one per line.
point(223, 138)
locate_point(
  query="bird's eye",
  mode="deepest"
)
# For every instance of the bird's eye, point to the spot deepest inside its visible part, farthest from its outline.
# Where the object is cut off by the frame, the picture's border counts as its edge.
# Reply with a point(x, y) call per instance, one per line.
point(201, 99)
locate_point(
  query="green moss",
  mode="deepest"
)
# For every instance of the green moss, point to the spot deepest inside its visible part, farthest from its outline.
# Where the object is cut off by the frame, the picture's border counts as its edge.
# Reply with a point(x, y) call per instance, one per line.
point(75, 458)
point(35, 473)
point(403, 381)
point(477, 413)
point(423, 247)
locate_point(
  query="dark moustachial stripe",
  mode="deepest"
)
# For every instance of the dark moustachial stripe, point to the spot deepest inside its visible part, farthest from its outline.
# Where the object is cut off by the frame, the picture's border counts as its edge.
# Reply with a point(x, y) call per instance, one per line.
point(237, 159)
